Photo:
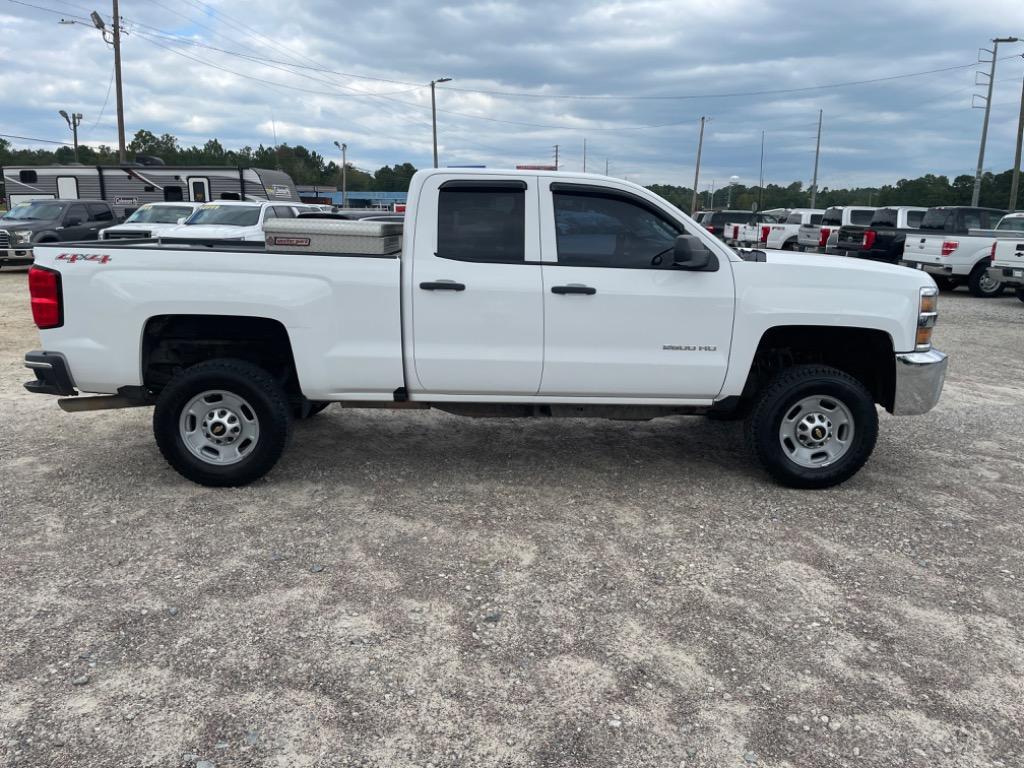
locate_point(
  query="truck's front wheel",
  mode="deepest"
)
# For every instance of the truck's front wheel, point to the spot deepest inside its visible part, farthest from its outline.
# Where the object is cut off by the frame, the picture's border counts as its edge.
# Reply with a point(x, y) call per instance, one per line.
point(222, 422)
point(813, 427)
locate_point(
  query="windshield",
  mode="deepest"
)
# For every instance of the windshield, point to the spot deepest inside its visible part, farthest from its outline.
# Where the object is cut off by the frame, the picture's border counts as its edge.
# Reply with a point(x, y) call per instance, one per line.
point(159, 214)
point(35, 211)
point(226, 215)
point(1014, 224)
point(936, 218)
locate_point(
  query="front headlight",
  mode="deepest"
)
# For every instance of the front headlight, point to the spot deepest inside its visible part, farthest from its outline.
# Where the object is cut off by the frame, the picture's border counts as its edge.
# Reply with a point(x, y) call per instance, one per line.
point(927, 314)
point(22, 236)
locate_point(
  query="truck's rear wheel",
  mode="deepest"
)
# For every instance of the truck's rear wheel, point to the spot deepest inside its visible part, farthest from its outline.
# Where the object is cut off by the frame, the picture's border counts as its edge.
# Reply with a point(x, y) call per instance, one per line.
point(813, 427)
point(222, 422)
point(945, 283)
point(1020, 294)
point(981, 285)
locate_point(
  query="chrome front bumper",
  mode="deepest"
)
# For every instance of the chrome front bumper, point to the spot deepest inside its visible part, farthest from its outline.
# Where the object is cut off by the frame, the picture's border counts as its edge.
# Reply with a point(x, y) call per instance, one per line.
point(919, 380)
point(16, 255)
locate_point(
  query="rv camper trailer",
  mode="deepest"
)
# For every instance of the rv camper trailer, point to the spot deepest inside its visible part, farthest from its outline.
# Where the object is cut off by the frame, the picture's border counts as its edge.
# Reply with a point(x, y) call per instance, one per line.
point(127, 187)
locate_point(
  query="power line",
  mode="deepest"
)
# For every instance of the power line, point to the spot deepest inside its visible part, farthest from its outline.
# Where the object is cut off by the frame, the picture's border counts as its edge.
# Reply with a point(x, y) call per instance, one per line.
point(33, 138)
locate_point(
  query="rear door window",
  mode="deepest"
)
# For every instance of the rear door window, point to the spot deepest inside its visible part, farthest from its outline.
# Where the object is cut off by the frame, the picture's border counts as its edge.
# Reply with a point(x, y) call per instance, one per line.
point(483, 223)
point(76, 212)
point(816, 218)
point(100, 212)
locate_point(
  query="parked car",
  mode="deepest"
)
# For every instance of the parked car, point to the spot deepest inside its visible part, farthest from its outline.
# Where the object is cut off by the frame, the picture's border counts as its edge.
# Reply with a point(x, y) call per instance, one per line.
point(954, 245)
point(782, 236)
point(813, 238)
point(719, 223)
point(1007, 256)
point(50, 221)
point(232, 220)
point(611, 302)
point(150, 220)
point(883, 238)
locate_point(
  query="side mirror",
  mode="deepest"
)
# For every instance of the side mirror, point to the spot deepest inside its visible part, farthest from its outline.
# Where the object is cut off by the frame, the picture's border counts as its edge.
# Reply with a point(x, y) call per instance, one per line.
point(181, 220)
point(690, 253)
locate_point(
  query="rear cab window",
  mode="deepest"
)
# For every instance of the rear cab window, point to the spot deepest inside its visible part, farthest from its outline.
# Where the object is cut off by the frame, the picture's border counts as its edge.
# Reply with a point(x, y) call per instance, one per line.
point(938, 218)
point(861, 217)
point(832, 217)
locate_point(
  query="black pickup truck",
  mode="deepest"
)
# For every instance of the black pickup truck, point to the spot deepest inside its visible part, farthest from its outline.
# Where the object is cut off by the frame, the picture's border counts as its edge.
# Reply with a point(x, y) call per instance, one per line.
point(50, 221)
point(883, 239)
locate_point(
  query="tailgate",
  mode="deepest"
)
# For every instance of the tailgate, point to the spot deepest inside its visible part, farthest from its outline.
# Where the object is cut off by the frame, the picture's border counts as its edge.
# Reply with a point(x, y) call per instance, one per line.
point(1009, 253)
point(851, 238)
point(808, 235)
point(928, 249)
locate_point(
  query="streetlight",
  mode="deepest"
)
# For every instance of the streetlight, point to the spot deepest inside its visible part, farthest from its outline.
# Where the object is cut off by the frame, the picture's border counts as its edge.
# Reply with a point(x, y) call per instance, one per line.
point(73, 120)
point(344, 174)
point(115, 42)
point(433, 110)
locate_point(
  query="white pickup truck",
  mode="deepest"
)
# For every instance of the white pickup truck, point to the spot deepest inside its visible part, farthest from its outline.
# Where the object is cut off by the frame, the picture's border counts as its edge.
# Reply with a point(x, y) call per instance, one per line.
point(515, 293)
point(783, 236)
point(813, 238)
point(1007, 255)
point(233, 220)
point(959, 251)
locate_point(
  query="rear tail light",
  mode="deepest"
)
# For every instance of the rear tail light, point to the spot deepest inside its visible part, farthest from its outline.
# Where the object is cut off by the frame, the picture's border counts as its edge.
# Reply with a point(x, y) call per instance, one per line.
point(823, 234)
point(992, 252)
point(764, 234)
point(949, 246)
point(710, 229)
point(47, 298)
point(735, 232)
point(869, 238)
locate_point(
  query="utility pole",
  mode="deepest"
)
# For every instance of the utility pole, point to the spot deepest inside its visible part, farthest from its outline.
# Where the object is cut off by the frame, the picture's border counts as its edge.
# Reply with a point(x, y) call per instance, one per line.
point(817, 153)
point(584, 155)
point(73, 120)
point(976, 195)
point(606, 166)
point(115, 42)
point(344, 173)
point(760, 177)
point(1016, 157)
point(433, 110)
point(696, 175)
point(556, 157)
point(116, 22)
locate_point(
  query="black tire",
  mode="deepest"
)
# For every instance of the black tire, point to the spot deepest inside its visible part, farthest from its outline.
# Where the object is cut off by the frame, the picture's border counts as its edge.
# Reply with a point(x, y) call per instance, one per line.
point(778, 401)
point(308, 409)
point(789, 245)
point(981, 285)
point(945, 283)
point(1019, 293)
point(258, 391)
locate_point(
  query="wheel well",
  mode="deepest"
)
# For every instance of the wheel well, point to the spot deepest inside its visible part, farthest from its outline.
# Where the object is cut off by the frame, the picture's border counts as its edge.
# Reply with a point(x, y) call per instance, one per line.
point(864, 353)
point(171, 343)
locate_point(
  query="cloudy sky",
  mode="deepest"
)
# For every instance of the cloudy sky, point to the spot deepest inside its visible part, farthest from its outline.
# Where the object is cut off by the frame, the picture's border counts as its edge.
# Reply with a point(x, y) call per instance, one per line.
point(630, 77)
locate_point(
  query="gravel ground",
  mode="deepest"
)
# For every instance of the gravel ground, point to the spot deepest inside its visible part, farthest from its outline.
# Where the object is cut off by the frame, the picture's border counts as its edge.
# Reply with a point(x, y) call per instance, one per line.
point(415, 589)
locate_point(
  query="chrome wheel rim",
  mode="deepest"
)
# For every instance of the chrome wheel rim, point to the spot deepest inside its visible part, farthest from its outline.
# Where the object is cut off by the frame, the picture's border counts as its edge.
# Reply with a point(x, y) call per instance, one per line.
point(219, 427)
point(816, 431)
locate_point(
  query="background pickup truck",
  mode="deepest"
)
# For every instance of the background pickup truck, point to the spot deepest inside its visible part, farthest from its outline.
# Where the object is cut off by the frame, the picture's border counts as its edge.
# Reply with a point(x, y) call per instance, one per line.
point(883, 238)
point(50, 221)
point(514, 294)
point(812, 238)
point(783, 236)
point(1007, 258)
point(954, 245)
point(752, 231)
